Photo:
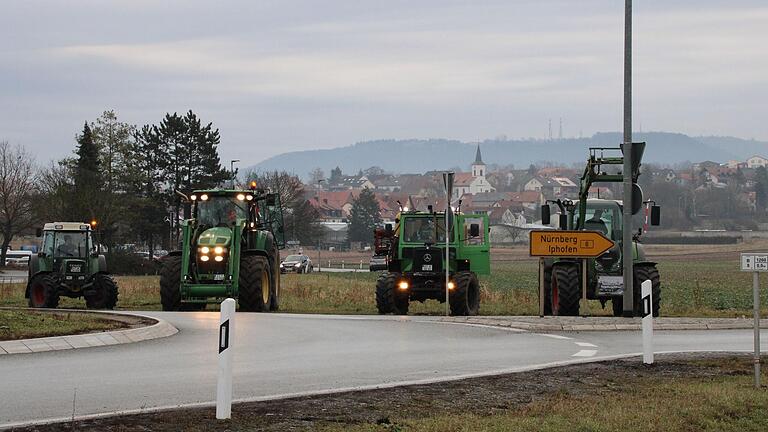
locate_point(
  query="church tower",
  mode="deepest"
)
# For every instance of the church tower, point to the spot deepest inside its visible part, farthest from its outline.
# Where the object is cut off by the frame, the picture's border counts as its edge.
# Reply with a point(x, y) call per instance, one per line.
point(478, 166)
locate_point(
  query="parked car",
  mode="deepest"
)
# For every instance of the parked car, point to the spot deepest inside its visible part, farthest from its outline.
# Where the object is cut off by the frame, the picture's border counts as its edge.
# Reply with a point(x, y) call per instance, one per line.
point(17, 257)
point(296, 264)
point(378, 263)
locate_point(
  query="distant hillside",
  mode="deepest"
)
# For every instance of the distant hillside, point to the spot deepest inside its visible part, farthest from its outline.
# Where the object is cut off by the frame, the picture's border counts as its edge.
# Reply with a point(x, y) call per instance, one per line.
point(418, 156)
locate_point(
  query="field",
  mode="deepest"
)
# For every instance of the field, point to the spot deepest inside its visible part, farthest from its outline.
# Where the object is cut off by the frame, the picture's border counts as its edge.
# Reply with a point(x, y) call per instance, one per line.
point(697, 281)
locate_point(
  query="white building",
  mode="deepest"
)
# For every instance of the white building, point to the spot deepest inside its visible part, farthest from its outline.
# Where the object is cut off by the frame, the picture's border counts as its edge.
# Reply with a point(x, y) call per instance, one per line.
point(475, 182)
point(757, 162)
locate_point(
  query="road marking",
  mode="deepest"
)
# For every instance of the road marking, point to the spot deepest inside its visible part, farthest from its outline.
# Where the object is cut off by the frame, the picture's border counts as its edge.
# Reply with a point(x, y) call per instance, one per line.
point(585, 353)
point(586, 344)
point(554, 336)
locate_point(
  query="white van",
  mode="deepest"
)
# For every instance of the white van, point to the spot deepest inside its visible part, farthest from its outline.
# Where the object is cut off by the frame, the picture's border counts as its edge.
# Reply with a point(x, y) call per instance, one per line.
point(17, 257)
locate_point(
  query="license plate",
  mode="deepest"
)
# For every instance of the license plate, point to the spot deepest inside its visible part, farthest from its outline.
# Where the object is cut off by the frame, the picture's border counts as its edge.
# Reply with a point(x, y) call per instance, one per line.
point(426, 267)
point(610, 285)
point(218, 277)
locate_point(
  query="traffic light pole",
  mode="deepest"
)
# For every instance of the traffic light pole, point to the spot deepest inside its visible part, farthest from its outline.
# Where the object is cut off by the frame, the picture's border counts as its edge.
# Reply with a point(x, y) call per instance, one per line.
point(627, 237)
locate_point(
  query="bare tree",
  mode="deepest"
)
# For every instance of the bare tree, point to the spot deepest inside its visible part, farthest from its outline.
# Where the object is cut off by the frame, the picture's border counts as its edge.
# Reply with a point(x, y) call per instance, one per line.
point(17, 187)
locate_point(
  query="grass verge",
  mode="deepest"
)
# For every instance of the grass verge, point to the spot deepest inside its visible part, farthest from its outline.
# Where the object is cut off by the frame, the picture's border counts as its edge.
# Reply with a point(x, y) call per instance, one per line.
point(15, 324)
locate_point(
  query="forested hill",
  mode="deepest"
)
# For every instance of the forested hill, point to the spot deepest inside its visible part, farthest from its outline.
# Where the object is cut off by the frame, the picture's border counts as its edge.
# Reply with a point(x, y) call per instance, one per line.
point(418, 156)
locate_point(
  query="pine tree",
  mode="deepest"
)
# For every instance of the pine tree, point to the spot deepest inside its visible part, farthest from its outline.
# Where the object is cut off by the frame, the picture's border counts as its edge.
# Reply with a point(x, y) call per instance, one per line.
point(87, 176)
point(364, 217)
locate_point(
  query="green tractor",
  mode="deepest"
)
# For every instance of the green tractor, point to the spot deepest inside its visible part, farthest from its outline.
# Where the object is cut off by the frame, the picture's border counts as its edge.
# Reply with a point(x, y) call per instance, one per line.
point(70, 265)
point(229, 248)
point(415, 268)
point(563, 276)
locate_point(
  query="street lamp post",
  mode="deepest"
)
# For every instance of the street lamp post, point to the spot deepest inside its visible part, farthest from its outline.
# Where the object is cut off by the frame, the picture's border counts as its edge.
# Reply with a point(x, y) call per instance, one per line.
point(232, 170)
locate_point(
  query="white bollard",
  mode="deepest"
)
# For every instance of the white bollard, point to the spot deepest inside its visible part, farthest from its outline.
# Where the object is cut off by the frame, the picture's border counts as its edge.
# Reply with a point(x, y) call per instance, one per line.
point(647, 302)
point(224, 384)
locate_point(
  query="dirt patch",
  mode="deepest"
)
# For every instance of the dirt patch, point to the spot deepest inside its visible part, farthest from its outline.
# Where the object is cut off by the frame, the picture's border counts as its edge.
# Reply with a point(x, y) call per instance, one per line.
point(479, 396)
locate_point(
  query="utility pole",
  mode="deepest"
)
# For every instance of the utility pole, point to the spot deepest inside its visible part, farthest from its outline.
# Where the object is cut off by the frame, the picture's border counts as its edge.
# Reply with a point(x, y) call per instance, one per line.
point(627, 211)
point(232, 170)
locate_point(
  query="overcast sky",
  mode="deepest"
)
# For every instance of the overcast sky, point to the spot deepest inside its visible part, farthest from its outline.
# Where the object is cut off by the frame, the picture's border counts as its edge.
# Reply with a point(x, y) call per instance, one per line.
point(284, 75)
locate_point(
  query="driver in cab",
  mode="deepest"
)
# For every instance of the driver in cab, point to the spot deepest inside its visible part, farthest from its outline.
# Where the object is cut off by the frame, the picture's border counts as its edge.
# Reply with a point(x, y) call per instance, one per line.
point(68, 248)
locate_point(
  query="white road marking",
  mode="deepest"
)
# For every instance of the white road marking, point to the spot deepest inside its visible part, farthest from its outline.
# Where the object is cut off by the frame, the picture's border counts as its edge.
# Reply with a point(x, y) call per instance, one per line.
point(554, 336)
point(585, 353)
point(586, 344)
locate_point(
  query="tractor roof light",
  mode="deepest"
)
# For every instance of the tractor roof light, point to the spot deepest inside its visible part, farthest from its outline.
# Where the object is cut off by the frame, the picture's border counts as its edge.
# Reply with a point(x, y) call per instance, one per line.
point(241, 197)
point(205, 249)
point(249, 197)
point(218, 250)
point(253, 185)
point(204, 197)
point(193, 197)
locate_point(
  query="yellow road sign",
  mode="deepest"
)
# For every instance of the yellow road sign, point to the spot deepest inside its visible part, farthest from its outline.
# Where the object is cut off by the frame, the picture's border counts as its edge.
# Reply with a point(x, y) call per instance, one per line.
point(579, 244)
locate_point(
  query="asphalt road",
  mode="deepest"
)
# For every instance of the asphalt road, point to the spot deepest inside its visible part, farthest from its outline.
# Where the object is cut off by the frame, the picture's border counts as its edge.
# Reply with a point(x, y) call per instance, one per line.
point(280, 354)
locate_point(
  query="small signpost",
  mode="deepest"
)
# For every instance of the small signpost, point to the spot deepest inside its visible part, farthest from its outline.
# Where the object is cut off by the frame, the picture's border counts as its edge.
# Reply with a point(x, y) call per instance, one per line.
point(756, 263)
point(572, 244)
point(647, 302)
point(224, 383)
point(448, 183)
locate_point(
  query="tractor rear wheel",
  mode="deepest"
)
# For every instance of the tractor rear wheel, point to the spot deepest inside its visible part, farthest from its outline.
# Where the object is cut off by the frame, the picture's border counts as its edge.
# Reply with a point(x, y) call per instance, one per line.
point(565, 292)
point(388, 300)
point(106, 293)
point(465, 297)
point(170, 283)
point(547, 288)
point(255, 284)
point(274, 270)
point(42, 291)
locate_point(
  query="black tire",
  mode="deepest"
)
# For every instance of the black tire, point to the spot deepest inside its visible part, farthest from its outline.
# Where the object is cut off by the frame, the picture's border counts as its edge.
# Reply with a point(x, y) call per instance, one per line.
point(170, 283)
point(255, 272)
point(43, 291)
point(274, 260)
point(642, 274)
point(617, 303)
point(388, 300)
point(547, 288)
point(465, 297)
point(564, 299)
point(106, 293)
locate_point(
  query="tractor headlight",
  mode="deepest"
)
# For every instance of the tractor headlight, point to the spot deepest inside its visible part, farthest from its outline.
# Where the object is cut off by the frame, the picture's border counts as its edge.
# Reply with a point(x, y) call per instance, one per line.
point(451, 285)
point(218, 258)
point(204, 258)
point(204, 250)
point(403, 285)
point(218, 250)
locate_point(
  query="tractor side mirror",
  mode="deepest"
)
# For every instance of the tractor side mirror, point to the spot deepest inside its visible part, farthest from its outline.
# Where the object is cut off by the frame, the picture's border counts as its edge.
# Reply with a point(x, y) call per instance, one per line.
point(474, 230)
point(271, 200)
point(655, 215)
point(563, 221)
point(38, 232)
point(545, 215)
point(388, 228)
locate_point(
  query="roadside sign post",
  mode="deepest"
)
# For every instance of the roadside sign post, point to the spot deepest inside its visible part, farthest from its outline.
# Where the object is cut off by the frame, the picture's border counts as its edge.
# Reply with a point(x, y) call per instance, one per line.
point(224, 382)
point(756, 263)
point(646, 291)
point(570, 244)
point(448, 183)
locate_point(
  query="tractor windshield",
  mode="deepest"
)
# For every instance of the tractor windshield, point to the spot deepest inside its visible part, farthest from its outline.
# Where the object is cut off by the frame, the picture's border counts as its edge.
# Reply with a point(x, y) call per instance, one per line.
point(424, 230)
point(220, 211)
point(66, 244)
point(602, 219)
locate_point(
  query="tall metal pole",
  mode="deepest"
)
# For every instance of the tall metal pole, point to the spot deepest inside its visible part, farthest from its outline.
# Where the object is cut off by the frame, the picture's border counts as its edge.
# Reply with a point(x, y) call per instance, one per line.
point(756, 299)
point(232, 170)
point(627, 237)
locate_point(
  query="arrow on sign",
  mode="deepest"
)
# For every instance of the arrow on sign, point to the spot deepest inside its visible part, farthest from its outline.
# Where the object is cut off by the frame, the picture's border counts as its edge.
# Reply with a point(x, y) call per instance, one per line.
point(578, 244)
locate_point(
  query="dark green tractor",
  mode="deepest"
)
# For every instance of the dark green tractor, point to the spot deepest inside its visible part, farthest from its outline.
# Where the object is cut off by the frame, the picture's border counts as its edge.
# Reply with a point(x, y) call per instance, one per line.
point(229, 248)
point(605, 282)
point(70, 265)
point(416, 261)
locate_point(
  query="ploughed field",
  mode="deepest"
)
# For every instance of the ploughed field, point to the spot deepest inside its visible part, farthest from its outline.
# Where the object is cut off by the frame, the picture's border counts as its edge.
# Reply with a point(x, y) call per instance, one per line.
point(697, 280)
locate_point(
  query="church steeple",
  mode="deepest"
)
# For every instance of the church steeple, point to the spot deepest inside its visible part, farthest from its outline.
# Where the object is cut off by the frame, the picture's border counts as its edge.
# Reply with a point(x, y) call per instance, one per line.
point(478, 166)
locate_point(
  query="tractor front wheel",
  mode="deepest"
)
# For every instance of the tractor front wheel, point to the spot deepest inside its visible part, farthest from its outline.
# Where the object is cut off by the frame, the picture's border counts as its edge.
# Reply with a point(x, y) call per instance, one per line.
point(565, 292)
point(642, 274)
point(170, 283)
point(255, 284)
point(42, 291)
point(388, 300)
point(106, 293)
point(465, 297)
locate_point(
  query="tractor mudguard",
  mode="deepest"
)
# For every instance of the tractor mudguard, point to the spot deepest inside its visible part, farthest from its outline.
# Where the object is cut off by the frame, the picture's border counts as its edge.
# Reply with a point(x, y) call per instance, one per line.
point(102, 264)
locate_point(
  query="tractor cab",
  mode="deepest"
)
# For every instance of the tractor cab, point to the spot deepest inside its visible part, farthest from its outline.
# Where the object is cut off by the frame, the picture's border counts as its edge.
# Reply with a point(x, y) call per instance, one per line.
point(68, 248)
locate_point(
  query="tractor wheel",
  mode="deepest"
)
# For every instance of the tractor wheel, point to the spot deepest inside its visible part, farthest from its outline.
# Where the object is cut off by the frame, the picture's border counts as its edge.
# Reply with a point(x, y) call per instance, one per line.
point(255, 284)
point(42, 291)
point(170, 283)
point(274, 270)
point(465, 297)
point(642, 274)
point(617, 303)
point(106, 293)
point(565, 290)
point(388, 300)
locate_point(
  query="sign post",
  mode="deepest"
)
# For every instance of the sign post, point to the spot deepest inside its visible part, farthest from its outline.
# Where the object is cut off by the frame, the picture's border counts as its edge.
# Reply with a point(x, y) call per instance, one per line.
point(448, 182)
point(756, 263)
point(224, 383)
point(646, 291)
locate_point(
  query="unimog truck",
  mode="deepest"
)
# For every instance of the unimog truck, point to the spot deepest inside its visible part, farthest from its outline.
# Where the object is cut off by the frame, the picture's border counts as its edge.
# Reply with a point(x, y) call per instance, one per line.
point(415, 267)
point(69, 264)
point(229, 248)
point(563, 276)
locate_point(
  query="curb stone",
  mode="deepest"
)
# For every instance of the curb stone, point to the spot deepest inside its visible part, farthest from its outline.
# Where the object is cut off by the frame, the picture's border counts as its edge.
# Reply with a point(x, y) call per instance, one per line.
point(159, 329)
point(577, 324)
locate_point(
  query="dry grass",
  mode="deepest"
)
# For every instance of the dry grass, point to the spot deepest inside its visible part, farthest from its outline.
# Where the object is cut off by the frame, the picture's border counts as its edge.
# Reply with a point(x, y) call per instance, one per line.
point(15, 324)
